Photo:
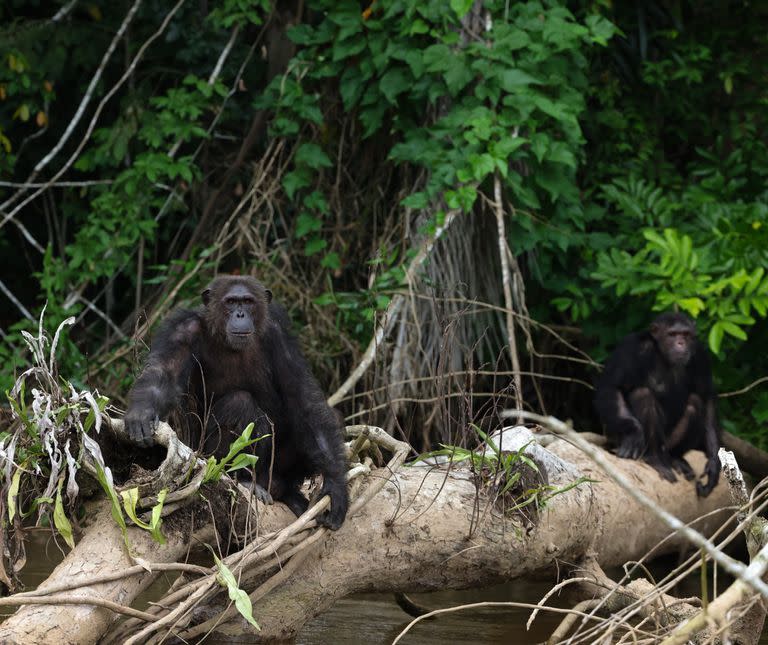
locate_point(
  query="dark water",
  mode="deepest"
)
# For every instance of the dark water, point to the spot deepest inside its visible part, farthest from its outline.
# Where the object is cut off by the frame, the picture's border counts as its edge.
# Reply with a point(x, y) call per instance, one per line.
point(376, 619)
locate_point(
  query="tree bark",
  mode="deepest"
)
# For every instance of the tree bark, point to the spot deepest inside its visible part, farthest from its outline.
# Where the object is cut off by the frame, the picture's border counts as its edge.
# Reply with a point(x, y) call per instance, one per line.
point(426, 530)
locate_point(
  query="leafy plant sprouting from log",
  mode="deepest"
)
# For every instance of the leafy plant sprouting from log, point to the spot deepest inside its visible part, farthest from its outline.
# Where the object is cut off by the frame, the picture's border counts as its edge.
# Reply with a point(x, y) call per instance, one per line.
point(48, 443)
point(511, 477)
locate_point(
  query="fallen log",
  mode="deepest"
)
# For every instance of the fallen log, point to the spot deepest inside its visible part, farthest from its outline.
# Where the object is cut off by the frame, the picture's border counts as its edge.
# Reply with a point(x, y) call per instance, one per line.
point(427, 529)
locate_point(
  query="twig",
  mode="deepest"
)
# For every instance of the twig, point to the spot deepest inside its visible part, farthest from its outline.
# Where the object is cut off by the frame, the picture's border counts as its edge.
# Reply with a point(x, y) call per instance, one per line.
point(58, 184)
point(744, 390)
point(756, 530)
point(478, 605)
point(24, 311)
point(125, 573)
point(542, 603)
point(565, 626)
point(64, 11)
point(186, 597)
point(300, 553)
point(92, 307)
point(506, 280)
point(212, 78)
point(13, 601)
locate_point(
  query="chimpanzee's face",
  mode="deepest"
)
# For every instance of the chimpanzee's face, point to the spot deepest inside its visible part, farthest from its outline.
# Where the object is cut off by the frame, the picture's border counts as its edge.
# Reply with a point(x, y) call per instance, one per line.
point(241, 310)
point(675, 342)
point(236, 309)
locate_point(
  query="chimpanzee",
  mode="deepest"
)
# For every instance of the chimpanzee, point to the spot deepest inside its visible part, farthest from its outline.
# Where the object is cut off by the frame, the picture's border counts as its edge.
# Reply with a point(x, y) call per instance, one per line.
point(232, 362)
point(657, 400)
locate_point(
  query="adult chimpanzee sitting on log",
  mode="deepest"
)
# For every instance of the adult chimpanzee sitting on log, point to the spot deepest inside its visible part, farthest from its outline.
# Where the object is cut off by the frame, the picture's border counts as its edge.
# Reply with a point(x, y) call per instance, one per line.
point(657, 400)
point(233, 362)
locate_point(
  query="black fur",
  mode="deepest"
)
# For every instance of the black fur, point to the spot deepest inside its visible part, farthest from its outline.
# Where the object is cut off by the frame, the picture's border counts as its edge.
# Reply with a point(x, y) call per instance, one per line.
point(657, 400)
point(220, 376)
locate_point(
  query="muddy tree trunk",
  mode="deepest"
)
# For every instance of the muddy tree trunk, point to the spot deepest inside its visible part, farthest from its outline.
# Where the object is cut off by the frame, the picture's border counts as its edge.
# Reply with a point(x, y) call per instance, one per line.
point(426, 530)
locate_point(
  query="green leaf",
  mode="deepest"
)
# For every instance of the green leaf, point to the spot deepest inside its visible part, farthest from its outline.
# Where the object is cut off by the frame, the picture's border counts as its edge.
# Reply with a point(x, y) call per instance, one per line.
point(348, 48)
point(351, 87)
point(482, 166)
point(214, 468)
point(315, 245)
point(60, 520)
point(438, 58)
point(312, 155)
point(237, 595)
point(243, 460)
point(416, 200)
point(130, 499)
point(513, 79)
point(306, 223)
point(415, 61)
point(331, 261)
point(395, 82)
point(457, 76)
point(733, 330)
point(693, 306)
point(715, 337)
point(418, 26)
point(157, 519)
point(293, 181)
point(600, 29)
point(461, 7)
point(560, 153)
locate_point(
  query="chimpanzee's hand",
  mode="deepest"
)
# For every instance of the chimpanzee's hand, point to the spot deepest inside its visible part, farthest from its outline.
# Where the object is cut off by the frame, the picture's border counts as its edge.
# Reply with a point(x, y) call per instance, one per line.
point(663, 466)
point(632, 445)
point(334, 517)
point(140, 425)
point(712, 473)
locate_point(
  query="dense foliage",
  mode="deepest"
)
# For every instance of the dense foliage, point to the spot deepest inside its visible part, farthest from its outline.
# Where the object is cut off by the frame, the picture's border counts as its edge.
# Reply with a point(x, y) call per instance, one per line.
point(144, 145)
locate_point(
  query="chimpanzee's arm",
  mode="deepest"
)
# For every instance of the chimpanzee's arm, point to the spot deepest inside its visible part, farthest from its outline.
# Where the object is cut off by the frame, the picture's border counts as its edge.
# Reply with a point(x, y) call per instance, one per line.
point(158, 389)
point(316, 428)
point(623, 374)
point(711, 441)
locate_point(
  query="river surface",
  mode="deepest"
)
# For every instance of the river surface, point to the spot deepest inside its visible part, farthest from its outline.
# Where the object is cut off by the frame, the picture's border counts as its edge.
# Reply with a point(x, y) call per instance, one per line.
point(375, 619)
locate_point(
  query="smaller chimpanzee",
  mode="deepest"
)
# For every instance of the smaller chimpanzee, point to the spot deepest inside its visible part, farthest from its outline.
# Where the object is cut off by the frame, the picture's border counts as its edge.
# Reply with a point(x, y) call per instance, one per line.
point(231, 362)
point(657, 400)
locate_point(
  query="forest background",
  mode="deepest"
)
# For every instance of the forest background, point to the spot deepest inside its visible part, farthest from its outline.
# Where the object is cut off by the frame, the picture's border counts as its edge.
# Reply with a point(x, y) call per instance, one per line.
point(507, 188)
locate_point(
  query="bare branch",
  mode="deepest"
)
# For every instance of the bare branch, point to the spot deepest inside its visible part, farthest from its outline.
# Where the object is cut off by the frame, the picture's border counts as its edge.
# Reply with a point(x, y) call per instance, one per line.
point(24, 311)
point(506, 280)
point(64, 11)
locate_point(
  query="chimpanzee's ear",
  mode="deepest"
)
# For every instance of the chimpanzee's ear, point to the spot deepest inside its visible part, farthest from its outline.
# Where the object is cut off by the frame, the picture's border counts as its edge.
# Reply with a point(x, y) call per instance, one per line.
point(268, 295)
point(654, 329)
point(206, 296)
